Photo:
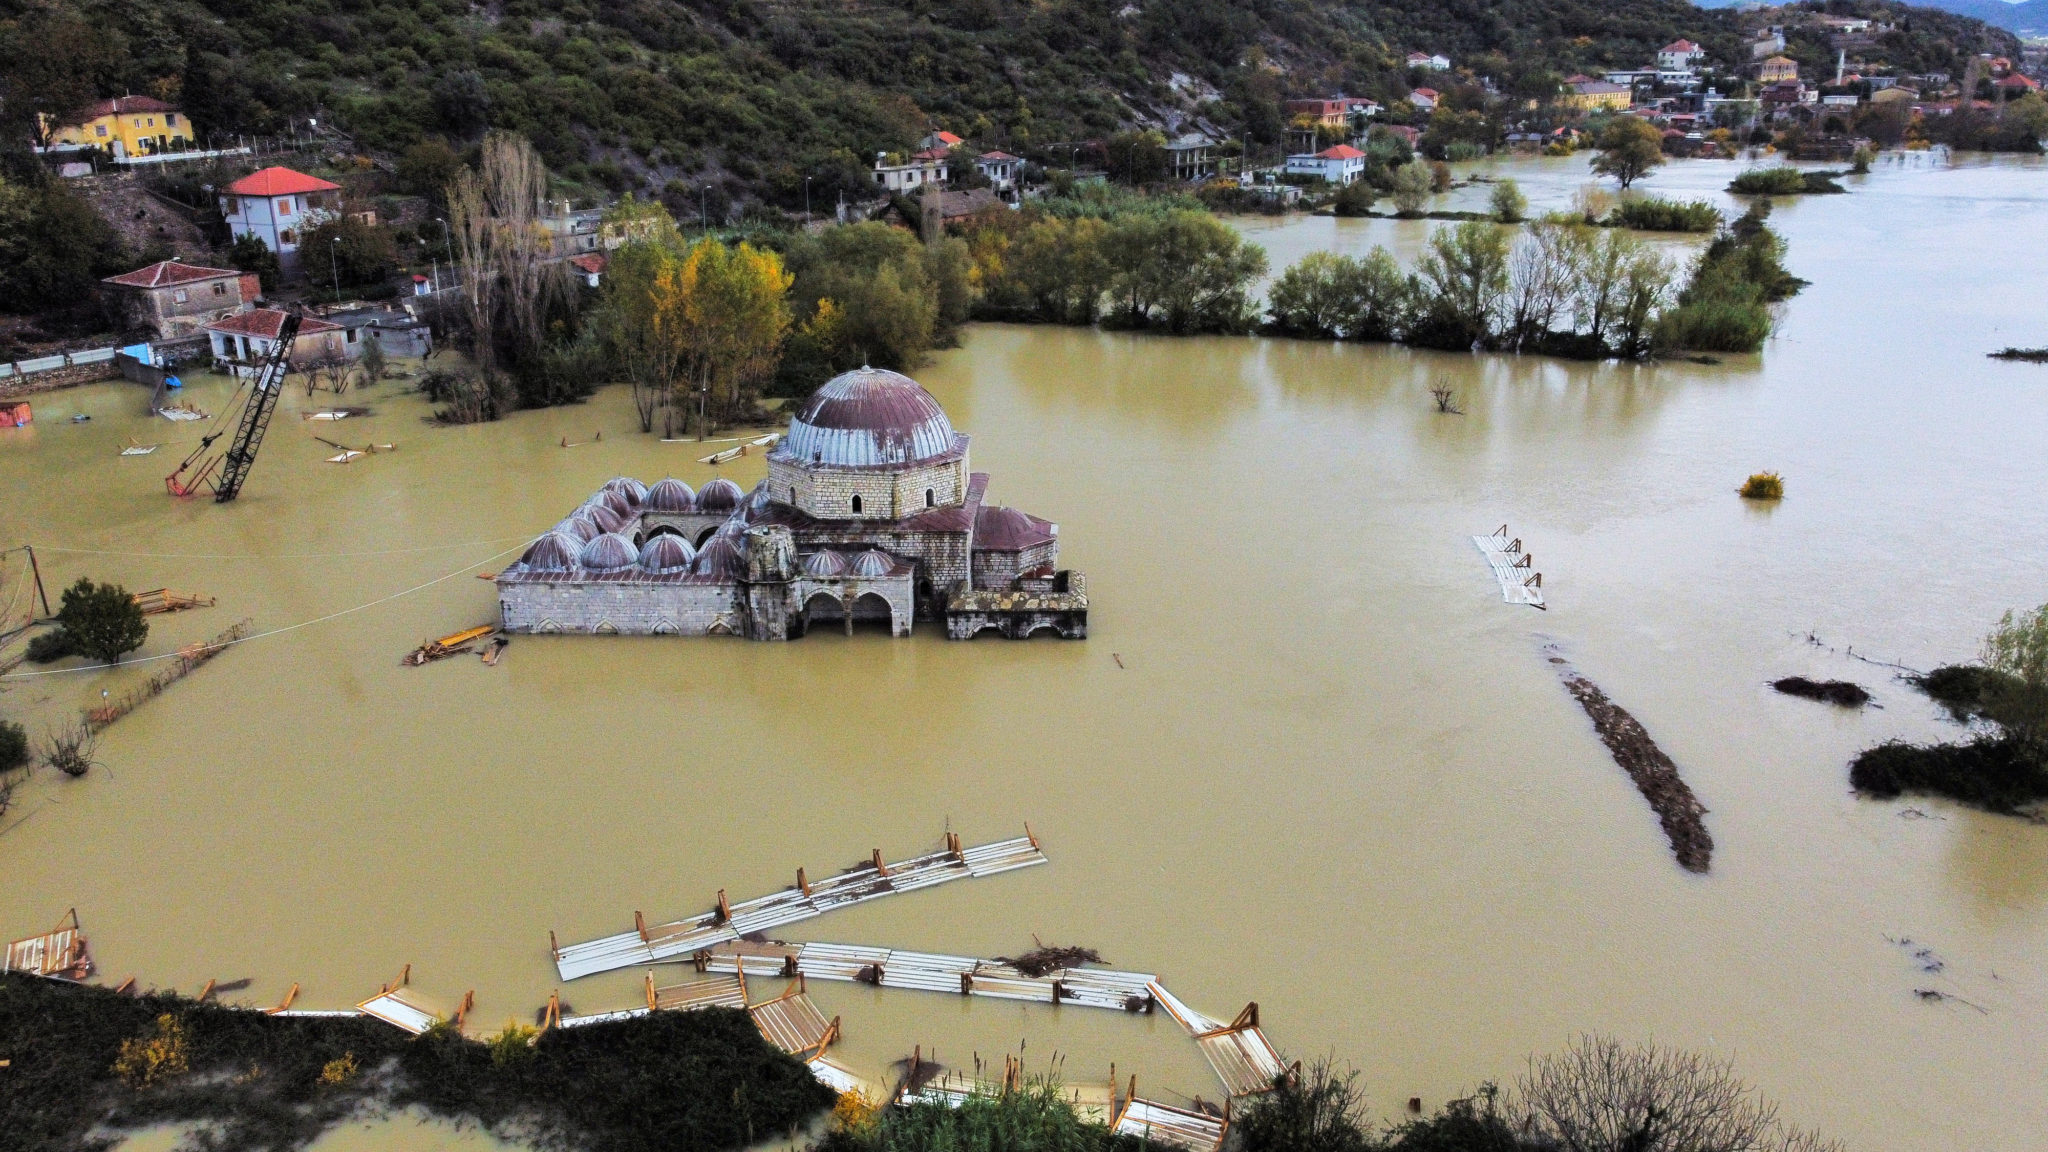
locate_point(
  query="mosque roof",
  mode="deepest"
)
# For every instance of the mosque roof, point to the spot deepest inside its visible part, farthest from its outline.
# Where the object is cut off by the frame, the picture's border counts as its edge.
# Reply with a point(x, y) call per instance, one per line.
point(824, 565)
point(720, 557)
point(866, 418)
point(580, 528)
point(667, 552)
point(999, 529)
point(721, 495)
point(671, 495)
point(609, 551)
point(634, 491)
point(552, 552)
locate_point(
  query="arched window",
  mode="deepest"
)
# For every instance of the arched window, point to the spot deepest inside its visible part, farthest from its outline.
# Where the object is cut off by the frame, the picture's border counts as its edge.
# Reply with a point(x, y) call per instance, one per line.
point(931, 498)
point(856, 505)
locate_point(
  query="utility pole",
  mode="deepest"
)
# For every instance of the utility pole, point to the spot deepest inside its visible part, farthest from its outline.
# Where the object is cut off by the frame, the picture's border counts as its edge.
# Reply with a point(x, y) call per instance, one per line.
point(704, 208)
point(334, 264)
point(37, 569)
point(807, 203)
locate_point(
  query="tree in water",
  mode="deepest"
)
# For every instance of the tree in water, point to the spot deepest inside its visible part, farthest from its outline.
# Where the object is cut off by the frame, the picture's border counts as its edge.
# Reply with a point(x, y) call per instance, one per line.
point(101, 621)
point(1629, 149)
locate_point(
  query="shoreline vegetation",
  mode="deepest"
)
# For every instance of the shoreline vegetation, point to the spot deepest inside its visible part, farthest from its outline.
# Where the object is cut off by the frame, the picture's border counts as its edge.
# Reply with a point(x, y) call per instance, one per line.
point(89, 1065)
point(2003, 766)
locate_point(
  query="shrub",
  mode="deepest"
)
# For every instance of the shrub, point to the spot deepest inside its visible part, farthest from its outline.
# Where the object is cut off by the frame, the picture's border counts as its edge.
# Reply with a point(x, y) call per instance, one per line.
point(1411, 188)
point(1764, 486)
point(1508, 203)
point(1651, 214)
point(52, 645)
point(158, 1055)
point(98, 620)
point(1323, 1109)
point(1034, 1118)
point(14, 752)
point(2001, 773)
point(1355, 199)
point(1780, 180)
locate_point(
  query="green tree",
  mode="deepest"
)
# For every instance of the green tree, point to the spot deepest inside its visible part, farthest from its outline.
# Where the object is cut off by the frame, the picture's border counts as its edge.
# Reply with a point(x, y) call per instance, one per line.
point(2018, 649)
point(250, 254)
point(427, 168)
point(101, 621)
point(1463, 276)
point(1629, 149)
point(1137, 157)
point(1329, 296)
point(1355, 199)
point(1508, 203)
point(54, 247)
point(1411, 188)
point(363, 254)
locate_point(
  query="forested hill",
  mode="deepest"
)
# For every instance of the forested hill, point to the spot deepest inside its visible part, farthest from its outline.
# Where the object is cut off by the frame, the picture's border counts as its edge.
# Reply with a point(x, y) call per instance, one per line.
point(759, 94)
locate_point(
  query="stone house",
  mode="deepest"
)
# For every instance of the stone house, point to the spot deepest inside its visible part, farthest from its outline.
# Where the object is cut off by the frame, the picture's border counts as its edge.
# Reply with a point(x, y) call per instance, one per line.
point(176, 299)
point(1778, 68)
point(927, 167)
point(1680, 56)
point(1001, 169)
point(244, 341)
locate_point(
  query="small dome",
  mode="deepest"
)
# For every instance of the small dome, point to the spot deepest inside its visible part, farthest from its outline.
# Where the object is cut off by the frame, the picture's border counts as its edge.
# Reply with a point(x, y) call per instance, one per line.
point(582, 527)
point(757, 500)
point(634, 491)
point(721, 495)
point(609, 552)
point(721, 557)
point(608, 518)
point(824, 565)
point(667, 553)
point(615, 500)
point(732, 527)
point(552, 552)
point(871, 564)
point(671, 495)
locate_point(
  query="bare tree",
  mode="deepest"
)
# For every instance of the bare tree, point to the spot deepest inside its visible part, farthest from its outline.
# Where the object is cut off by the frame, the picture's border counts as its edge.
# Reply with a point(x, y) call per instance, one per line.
point(69, 748)
point(1539, 281)
point(503, 252)
point(1446, 400)
point(1603, 1096)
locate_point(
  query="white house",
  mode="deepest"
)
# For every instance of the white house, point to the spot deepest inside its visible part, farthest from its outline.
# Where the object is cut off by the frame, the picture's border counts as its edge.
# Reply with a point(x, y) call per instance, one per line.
point(927, 167)
point(1680, 56)
point(1001, 168)
point(277, 206)
point(1340, 164)
point(1424, 98)
point(1431, 61)
point(245, 340)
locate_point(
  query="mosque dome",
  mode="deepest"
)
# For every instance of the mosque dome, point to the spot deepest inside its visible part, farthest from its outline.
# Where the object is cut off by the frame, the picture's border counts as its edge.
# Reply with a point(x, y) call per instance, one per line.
point(721, 557)
point(609, 552)
point(825, 565)
point(634, 491)
point(581, 527)
point(871, 564)
point(867, 417)
point(615, 500)
point(721, 495)
point(553, 552)
point(607, 517)
point(667, 553)
point(670, 495)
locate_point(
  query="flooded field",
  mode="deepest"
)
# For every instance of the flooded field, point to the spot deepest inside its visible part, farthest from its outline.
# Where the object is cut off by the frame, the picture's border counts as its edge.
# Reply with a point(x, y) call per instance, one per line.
point(1307, 756)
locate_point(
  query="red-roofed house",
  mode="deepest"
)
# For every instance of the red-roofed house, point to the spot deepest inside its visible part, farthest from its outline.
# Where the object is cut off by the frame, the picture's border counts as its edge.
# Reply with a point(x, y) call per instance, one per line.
point(124, 126)
point(246, 340)
point(590, 266)
point(941, 140)
point(1337, 165)
point(1001, 168)
point(1680, 56)
point(1424, 98)
point(277, 205)
point(2016, 84)
point(178, 299)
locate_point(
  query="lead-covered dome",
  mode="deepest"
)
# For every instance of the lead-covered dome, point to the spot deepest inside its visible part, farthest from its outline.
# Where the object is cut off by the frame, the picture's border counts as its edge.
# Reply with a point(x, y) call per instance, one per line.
point(721, 557)
point(721, 495)
point(667, 553)
point(609, 552)
point(871, 564)
point(553, 552)
point(867, 417)
point(671, 495)
point(825, 565)
point(634, 491)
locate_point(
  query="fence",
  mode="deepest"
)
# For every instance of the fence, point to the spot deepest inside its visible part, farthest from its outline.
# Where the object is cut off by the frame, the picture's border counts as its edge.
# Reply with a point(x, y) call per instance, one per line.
point(61, 360)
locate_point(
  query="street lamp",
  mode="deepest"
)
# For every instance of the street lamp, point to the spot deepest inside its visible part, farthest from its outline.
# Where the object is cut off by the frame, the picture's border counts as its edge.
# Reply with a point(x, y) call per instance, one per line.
point(807, 202)
point(704, 208)
point(334, 263)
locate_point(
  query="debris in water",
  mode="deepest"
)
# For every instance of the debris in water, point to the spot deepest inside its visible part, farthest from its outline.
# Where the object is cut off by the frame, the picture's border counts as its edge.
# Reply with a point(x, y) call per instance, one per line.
point(1838, 692)
point(188, 659)
point(335, 413)
point(453, 644)
point(160, 600)
point(59, 954)
point(134, 449)
point(494, 650)
point(1049, 958)
point(1680, 812)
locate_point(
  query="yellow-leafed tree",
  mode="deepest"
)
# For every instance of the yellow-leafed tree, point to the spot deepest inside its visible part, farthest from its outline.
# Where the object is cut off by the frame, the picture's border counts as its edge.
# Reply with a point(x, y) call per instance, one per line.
point(728, 309)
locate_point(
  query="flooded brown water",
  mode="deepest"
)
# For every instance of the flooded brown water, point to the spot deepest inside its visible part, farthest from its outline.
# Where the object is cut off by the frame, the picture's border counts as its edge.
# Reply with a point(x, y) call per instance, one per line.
point(1333, 772)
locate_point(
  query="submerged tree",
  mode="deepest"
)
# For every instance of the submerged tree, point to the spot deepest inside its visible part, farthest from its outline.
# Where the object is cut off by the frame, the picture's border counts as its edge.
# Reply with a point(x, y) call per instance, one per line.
point(101, 621)
point(1629, 148)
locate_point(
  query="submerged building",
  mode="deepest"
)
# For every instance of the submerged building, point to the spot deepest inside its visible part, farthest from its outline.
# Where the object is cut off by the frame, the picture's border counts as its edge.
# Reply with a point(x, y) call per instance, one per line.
point(869, 513)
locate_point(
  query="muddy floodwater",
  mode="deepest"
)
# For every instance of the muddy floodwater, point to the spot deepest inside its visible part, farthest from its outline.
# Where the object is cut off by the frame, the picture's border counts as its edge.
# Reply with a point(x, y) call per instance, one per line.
point(1307, 756)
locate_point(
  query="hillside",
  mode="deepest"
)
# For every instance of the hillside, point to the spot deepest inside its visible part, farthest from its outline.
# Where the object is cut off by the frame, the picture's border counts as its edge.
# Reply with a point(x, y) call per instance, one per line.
point(753, 96)
point(2027, 18)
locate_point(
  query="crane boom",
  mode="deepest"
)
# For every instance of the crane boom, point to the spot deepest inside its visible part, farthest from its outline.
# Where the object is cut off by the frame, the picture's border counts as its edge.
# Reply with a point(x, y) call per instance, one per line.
point(254, 420)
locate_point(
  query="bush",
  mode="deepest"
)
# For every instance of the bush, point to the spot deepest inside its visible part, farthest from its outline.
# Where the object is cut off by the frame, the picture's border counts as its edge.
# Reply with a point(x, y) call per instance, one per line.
point(1034, 1118)
point(1764, 486)
point(1780, 180)
point(1411, 188)
point(1322, 1109)
point(14, 751)
point(2002, 773)
point(101, 621)
point(251, 254)
point(1651, 214)
point(1355, 199)
point(51, 645)
point(1508, 203)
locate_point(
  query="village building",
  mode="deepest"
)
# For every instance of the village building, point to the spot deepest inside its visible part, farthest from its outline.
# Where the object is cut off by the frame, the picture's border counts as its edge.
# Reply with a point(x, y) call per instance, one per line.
point(869, 514)
point(1189, 156)
point(926, 167)
point(589, 268)
point(175, 299)
point(1339, 164)
point(1429, 61)
point(394, 330)
point(1680, 56)
point(1424, 99)
point(1778, 68)
point(940, 141)
point(278, 206)
point(1586, 95)
point(244, 341)
point(1334, 113)
point(1002, 170)
point(124, 126)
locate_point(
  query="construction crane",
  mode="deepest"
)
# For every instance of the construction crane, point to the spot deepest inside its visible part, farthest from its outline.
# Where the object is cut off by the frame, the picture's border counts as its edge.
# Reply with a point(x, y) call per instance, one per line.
point(226, 471)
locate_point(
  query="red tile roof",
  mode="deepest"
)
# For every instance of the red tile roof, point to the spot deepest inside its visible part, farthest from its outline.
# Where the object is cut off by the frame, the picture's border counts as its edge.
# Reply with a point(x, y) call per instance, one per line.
point(280, 182)
point(264, 323)
point(1681, 46)
point(1427, 93)
point(168, 272)
point(997, 155)
point(591, 262)
point(1340, 152)
point(946, 138)
point(122, 104)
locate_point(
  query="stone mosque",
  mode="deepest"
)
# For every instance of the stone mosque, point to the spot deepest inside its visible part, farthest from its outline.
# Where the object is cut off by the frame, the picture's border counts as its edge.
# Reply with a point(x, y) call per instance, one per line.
point(869, 515)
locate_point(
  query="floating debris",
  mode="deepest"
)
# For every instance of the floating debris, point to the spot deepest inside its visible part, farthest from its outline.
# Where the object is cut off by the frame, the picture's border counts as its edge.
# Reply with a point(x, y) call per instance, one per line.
point(932, 972)
point(134, 449)
point(397, 1006)
point(160, 600)
point(1680, 812)
point(728, 922)
point(59, 954)
point(794, 1024)
point(1046, 958)
point(1520, 583)
point(1174, 1127)
point(453, 644)
point(494, 650)
point(346, 455)
point(1838, 692)
point(183, 413)
point(335, 413)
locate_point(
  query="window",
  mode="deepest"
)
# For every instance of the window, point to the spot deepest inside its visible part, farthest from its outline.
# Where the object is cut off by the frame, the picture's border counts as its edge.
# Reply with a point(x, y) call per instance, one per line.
point(792, 495)
point(220, 288)
point(352, 335)
point(287, 237)
point(170, 119)
point(179, 296)
point(931, 498)
point(856, 505)
point(284, 206)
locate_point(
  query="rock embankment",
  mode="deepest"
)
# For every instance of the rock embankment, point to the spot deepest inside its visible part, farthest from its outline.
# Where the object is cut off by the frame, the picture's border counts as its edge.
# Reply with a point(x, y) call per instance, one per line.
point(1680, 812)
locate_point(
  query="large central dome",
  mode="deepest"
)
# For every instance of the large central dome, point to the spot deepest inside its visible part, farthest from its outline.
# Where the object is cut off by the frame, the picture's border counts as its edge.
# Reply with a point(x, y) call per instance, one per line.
point(865, 418)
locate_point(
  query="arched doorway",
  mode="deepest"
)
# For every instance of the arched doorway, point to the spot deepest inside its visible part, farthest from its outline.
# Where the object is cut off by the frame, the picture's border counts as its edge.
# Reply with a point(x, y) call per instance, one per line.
point(871, 610)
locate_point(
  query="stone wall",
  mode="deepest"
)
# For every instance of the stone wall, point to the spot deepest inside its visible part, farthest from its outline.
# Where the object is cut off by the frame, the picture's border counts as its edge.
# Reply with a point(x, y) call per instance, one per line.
point(49, 380)
point(693, 525)
point(1000, 569)
point(634, 608)
point(827, 493)
point(846, 596)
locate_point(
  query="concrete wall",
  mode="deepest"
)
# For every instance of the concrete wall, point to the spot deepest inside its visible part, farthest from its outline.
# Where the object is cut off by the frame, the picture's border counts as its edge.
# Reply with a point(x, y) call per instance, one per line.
point(627, 607)
point(827, 493)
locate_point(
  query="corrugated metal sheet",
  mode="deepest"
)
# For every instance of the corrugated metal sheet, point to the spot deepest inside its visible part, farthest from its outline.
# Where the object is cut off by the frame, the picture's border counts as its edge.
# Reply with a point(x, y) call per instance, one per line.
point(1178, 1127)
point(792, 1023)
point(400, 1011)
point(717, 992)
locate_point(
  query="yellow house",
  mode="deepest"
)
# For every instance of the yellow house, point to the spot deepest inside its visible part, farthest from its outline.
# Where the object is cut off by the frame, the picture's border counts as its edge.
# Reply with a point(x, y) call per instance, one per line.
point(124, 126)
point(1779, 68)
point(1588, 95)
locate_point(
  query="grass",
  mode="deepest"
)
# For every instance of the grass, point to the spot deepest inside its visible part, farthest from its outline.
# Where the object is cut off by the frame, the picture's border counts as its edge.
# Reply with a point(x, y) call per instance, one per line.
point(1763, 486)
point(85, 1058)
